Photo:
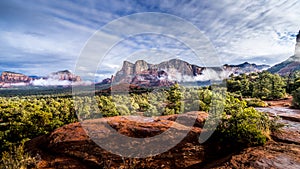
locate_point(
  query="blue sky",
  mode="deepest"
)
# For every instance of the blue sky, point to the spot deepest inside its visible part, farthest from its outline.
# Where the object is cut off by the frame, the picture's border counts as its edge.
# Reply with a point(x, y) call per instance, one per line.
point(38, 36)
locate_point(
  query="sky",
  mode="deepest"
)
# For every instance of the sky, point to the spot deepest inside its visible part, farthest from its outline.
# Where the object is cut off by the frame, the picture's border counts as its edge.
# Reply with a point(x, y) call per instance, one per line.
point(38, 37)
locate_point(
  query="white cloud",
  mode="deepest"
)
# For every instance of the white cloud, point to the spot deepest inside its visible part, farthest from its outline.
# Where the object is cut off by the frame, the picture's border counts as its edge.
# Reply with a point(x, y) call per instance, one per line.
point(57, 82)
point(235, 26)
point(35, 44)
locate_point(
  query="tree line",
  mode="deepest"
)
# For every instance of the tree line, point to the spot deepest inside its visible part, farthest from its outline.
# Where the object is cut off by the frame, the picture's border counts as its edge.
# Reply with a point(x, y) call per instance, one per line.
point(266, 86)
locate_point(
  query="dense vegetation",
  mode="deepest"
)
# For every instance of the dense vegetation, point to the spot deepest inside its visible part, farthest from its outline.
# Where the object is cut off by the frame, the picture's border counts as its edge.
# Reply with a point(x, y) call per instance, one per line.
point(262, 85)
point(265, 86)
point(23, 118)
point(293, 86)
point(27, 117)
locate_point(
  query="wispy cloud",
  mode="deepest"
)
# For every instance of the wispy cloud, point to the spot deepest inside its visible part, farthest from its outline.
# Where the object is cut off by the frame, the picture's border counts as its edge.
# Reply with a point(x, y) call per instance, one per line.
point(38, 37)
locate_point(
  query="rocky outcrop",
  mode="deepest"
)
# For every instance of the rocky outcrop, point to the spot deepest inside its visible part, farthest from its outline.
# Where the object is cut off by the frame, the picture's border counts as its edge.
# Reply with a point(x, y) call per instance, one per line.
point(183, 67)
point(291, 64)
point(65, 75)
point(11, 77)
point(151, 77)
point(176, 70)
point(290, 118)
point(273, 155)
point(71, 144)
point(130, 71)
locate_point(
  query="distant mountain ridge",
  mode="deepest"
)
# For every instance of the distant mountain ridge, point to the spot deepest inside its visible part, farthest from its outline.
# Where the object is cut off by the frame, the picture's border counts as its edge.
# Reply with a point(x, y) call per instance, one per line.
point(245, 68)
point(12, 77)
point(9, 79)
point(291, 64)
point(139, 73)
point(286, 67)
point(249, 66)
point(131, 71)
point(166, 73)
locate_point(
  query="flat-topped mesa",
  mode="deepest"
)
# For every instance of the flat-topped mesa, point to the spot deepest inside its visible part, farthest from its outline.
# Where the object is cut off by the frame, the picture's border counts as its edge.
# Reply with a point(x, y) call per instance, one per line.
point(12, 77)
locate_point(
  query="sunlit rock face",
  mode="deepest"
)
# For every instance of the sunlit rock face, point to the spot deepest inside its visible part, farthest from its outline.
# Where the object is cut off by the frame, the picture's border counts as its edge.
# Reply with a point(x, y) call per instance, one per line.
point(11, 77)
point(297, 48)
point(168, 72)
point(65, 75)
point(142, 72)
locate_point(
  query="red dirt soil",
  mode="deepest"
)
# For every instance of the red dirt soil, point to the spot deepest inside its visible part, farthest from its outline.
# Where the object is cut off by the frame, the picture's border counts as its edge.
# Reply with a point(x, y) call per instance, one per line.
point(280, 103)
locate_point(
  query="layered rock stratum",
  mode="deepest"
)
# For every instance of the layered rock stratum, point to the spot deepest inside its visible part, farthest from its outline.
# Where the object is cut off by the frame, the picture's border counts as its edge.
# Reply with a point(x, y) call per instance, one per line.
point(12, 77)
point(176, 70)
point(65, 75)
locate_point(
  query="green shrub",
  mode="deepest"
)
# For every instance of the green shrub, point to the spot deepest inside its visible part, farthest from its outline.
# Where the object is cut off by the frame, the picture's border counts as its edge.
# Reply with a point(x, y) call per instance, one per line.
point(247, 127)
point(256, 103)
point(175, 103)
point(122, 110)
point(233, 105)
point(107, 107)
point(151, 111)
point(16, 158)
point(296, 98)
point(169, 111)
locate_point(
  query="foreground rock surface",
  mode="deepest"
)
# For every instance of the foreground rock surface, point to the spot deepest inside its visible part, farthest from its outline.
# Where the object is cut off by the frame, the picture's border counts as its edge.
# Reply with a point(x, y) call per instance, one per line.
point(273, 155)
point(71, 146)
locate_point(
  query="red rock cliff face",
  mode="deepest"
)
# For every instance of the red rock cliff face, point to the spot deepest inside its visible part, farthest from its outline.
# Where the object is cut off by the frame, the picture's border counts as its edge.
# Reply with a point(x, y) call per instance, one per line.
point(175, 70)
point(11, 77)
point(65, 75)
point(129, 70)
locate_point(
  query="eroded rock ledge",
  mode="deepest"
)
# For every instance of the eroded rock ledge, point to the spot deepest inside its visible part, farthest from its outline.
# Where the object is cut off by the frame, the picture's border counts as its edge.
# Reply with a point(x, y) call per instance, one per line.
point(71, 147)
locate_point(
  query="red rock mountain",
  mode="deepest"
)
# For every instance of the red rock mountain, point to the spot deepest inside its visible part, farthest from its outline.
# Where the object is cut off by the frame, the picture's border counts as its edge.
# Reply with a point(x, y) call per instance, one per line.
point(7, 79)
point(130, 70)
point(65, 75)
point(166, 73)
point(11, 77)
